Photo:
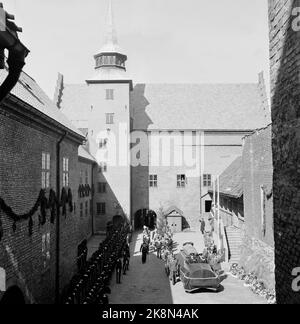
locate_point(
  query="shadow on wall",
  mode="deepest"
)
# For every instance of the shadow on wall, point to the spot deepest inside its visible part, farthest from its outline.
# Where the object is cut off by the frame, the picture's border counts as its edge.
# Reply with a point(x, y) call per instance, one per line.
point(114, 212)
point(286, 149)
point(140, 174)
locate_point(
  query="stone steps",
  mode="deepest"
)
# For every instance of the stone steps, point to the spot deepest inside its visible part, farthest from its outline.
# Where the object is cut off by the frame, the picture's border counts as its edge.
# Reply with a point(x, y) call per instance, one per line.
point(234, 243)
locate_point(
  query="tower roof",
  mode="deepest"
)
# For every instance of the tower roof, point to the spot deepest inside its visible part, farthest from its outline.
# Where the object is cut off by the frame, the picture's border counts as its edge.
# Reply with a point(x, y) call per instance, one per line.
point(111, 40)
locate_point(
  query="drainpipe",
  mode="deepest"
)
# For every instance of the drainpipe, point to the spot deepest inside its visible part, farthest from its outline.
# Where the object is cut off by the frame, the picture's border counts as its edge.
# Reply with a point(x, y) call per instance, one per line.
point(57, 272)
point(17, 53)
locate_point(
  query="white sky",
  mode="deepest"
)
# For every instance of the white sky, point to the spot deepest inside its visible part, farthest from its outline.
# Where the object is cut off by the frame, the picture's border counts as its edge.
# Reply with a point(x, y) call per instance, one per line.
point(175, 41)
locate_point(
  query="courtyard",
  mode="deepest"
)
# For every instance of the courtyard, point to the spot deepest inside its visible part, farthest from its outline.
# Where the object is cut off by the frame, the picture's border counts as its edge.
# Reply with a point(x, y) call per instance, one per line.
point(148, 284)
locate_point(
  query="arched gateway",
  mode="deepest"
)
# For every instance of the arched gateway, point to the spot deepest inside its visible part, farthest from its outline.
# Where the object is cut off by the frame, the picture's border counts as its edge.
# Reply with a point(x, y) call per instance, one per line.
point(144, 217)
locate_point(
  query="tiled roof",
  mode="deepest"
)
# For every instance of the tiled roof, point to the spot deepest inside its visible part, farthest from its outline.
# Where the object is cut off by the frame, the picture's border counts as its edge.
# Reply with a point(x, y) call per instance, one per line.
point(83, 153)
point(29, 92)
point(231, 180)
point(198, 106)
point(180, 106)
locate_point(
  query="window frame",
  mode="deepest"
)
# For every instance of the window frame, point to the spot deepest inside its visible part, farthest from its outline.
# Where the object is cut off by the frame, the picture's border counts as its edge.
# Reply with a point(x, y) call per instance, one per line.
point(181, 181)
point(110, 94)
point(110, 118)
point(101, 209)
point(207, 180)
point(153, 181)
point(66, 163)
point(46, 170)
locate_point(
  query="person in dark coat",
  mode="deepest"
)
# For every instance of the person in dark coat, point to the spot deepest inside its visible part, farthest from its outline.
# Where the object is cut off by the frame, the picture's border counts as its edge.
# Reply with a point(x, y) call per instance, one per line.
point(203, 226)
point(119, 270)
point(125, 262)
point(145, 250)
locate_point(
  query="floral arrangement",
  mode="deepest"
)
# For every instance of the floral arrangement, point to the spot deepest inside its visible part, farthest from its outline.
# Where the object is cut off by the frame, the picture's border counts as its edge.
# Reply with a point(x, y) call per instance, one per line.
point(253, 283)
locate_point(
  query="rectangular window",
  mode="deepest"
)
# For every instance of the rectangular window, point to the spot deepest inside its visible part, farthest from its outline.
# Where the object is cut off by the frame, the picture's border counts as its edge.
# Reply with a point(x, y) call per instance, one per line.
point(101, 209)
point(46, 239)
point(86, 177)
point(81, 177)
point(110, 119)
point(181, 181)
point(207, 180)
point(101, 187)
point(102, 167)
point(86, 208)
point(81, 210)
point(109, 94)
point(103, 143)
point(153, 181)
point(45, 170)
point(65, 172)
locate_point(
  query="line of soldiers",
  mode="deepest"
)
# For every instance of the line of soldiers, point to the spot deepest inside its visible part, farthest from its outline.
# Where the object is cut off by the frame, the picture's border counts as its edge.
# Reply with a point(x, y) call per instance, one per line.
point(91, 285)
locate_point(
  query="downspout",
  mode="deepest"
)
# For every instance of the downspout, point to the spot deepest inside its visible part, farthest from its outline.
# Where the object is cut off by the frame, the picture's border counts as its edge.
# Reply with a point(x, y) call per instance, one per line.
point(57, 272)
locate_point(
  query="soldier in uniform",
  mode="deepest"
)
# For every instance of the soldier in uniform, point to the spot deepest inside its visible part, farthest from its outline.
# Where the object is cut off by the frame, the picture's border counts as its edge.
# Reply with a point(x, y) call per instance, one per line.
point(119, 270)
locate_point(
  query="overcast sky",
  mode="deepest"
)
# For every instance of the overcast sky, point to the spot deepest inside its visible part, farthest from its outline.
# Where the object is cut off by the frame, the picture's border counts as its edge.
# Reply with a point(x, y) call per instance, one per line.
point(176, 41)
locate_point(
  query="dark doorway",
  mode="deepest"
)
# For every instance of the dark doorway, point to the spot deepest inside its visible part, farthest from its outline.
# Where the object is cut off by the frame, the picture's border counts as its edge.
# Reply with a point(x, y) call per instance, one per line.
point(208, 205)
point(13, 296)
point(145, 217)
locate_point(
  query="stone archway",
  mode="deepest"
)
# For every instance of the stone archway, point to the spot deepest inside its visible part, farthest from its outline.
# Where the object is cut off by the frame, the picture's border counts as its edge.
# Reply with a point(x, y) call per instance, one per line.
point(13, 296)
point(144, 217)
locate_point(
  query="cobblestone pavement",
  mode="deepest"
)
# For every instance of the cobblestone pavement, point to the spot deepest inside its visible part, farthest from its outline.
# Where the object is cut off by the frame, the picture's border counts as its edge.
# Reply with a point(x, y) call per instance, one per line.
point(148, 284)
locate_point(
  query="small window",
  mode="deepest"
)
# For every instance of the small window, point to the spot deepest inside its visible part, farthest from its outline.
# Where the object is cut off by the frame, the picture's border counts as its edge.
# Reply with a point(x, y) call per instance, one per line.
point(207, 182)
point(109, 94)
point(102, 168)
point(181, 181)
point(81, 209)
point(65, 172)
point(110, 119)
point(101, 187)
point(101, 209)
point(86, 177)
point(46, 170)
point(153, 181)
point(103, 143)
point(86, 208)
point(81, 177)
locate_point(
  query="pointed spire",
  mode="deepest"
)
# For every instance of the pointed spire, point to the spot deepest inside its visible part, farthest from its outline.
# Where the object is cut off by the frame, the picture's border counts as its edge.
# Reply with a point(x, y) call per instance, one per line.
point(111, 34)
point(111, 40)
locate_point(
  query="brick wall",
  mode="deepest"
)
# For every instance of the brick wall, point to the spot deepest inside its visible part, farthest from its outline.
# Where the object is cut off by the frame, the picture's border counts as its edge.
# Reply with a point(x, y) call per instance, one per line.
point(21, 146)
point(285, 95)
point(258, 172)
point(258, 242)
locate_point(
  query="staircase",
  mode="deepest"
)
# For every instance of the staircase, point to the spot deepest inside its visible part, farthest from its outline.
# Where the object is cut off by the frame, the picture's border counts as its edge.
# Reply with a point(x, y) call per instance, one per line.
point(234, 239)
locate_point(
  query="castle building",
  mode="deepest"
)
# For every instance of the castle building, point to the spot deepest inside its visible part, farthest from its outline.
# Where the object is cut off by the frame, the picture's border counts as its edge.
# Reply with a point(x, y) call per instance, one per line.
point(165, 143)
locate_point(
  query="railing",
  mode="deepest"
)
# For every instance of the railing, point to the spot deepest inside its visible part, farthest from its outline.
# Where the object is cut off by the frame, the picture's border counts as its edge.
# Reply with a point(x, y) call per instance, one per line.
point(221, 236)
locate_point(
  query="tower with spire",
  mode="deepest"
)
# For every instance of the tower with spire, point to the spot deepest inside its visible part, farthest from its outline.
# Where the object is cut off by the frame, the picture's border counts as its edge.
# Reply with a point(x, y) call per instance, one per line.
point(108, 117)
point(110, 60)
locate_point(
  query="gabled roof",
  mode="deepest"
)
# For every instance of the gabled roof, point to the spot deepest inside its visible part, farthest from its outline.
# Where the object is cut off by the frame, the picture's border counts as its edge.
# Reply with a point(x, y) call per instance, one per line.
point(172, 209)
point(231, 180)
point(28, 91)
point(198, 106)
point(84, 154)
point(236, 107)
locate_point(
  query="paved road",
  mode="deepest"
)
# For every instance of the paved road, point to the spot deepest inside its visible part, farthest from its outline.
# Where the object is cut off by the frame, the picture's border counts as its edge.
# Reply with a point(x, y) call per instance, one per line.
point(148, 284)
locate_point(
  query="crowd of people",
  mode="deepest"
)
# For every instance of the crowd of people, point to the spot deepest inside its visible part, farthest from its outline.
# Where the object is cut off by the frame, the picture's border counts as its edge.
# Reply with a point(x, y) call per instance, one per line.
point(162, 244)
